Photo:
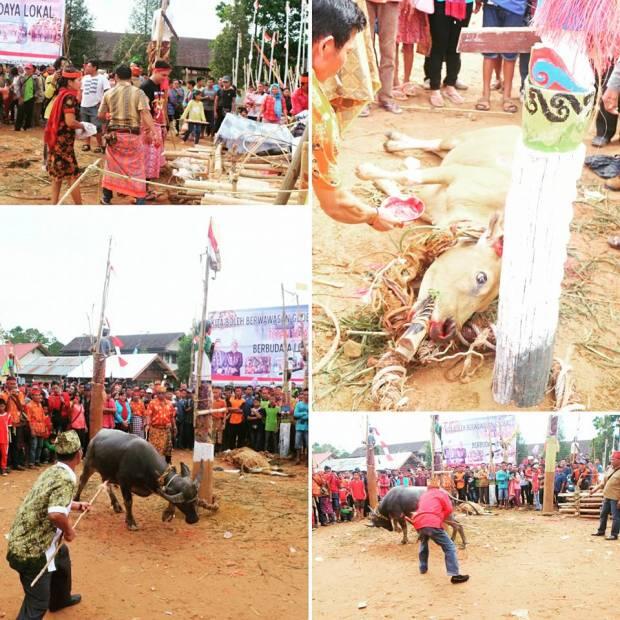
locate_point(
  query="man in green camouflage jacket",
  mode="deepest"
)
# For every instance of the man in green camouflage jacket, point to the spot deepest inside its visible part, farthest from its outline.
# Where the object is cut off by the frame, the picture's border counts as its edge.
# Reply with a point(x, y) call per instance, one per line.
point(41, 521)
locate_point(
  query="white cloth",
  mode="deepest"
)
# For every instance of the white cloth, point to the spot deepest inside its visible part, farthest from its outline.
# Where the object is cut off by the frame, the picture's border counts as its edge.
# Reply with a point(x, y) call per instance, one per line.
point(58, 509)
point(203, 452)
point(93, 88)
point(155, 24)
point(206, 367)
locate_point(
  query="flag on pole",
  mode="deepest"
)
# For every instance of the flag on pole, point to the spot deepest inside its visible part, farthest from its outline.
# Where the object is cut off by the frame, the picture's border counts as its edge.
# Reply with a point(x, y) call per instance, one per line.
point(215, 261)
point(267, 37)
point(118, 343)
point(256, 5)
point(384, 446)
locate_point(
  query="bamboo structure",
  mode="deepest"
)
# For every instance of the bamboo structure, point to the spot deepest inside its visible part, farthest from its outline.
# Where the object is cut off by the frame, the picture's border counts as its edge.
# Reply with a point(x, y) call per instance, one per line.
point(581, 504)
point(98, 380)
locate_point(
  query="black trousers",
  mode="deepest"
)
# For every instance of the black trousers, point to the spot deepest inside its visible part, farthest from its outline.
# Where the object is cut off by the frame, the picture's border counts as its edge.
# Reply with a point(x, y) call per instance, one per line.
point(256, 438)
point(606, 123)
point(445, 32)
point(221, 113)
point(25, 113)
point(187, 436)
point(18, 450)
point(210, 116)
point(51, 592)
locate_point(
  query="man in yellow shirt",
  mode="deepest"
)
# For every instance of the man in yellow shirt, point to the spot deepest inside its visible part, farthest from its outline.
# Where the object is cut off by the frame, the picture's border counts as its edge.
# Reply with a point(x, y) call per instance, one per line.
point(335, 24)
point(611, 498)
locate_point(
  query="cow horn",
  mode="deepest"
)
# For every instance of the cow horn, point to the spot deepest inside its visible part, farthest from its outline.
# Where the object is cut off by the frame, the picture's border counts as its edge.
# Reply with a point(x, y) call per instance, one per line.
point(198, 478)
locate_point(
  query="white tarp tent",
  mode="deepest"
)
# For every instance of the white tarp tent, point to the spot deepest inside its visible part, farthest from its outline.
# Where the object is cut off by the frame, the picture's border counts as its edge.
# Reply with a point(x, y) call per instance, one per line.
point(135, 365)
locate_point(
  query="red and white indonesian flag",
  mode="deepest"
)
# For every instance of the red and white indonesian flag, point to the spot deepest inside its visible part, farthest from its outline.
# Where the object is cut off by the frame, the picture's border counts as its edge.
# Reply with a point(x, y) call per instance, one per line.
point(118, 344)
point(384, 446)
point(215, 261)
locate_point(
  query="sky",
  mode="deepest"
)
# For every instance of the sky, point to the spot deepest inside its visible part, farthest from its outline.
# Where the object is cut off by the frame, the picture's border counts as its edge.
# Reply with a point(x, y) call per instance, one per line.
point(190, 18)
point(56, 256)
point(346, 431)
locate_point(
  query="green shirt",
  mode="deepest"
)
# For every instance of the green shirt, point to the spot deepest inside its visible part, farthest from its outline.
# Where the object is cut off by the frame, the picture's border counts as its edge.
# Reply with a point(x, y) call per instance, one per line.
point(28, 92)
point(271, 418)
point(32, 532)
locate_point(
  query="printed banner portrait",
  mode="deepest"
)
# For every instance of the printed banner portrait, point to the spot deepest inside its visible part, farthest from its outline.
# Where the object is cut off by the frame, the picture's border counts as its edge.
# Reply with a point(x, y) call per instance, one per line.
point(31, 31)
point(249, 344)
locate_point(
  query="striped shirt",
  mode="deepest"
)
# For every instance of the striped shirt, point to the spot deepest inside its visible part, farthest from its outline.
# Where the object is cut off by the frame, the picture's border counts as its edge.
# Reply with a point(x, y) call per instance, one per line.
point(123, 104)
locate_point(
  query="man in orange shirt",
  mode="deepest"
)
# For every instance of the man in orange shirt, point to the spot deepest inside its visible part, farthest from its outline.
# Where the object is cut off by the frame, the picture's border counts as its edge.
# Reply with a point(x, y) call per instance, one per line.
point(36, 421)
point(15, 403)
point(433, 509)
point(159, 423)
point(219, 418)
point(459, 483)
point(235, 421)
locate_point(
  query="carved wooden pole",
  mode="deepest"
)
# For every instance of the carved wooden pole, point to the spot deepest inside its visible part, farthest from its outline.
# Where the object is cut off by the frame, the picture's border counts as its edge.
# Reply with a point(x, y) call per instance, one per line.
point(371, 472)
point(551, 450)
point(539, 208)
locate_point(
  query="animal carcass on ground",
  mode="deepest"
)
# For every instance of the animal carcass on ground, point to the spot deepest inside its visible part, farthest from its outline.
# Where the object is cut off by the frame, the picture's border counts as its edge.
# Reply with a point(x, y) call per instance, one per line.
point(400, 503)
point(134, 465)
point(470, 185)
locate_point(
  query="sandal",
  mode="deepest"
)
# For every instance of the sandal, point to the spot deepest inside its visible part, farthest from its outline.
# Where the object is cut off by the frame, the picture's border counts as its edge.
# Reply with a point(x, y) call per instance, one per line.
point(454, 97)
point(86, 148)
point(399, 95)
point(508, 105)
point(437, 100)
point(99, 149)
point(483, 105)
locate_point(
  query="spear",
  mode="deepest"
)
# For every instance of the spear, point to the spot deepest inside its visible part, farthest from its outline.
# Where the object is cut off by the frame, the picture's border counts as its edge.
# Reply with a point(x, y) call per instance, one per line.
point(259, 77)
point(274, 40)
point(251, 54)
point(236, 69)
point(301, 37)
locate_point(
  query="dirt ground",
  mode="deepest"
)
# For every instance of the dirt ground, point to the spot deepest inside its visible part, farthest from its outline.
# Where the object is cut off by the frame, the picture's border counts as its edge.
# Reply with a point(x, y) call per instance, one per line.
point(179, 570)
point(591, 297)
point(23, 179)
point(516, 561)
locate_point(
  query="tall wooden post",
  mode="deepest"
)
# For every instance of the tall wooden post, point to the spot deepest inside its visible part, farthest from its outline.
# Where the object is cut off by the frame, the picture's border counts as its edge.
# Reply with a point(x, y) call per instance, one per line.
point(259, 77)
point(298, 69)
point(551, 450)
point(371, 472)
point(287, 10)
point(98, 379)
point(204, 449)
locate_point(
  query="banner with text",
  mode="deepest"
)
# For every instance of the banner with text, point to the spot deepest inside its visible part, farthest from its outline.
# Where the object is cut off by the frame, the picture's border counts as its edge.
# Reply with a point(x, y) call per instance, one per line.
point(31, 31)
point(470, 441)
point(249, 344)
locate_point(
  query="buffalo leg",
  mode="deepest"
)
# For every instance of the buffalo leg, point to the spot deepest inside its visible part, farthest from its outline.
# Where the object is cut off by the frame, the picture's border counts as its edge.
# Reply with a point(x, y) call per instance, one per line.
point(168, 513)
point(87, 472)
point(403, 525)
point(127, 498)
point(115, 503)
point(397, 141)
point(438, 175)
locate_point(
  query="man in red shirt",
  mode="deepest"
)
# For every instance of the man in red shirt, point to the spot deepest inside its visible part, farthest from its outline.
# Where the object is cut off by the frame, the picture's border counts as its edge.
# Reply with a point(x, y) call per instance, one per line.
point(358, 492)
point(434, 508)
point(299, 98)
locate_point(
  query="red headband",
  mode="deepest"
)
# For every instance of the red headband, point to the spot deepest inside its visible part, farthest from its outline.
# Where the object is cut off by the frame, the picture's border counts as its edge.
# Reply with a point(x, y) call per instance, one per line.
point(71, 76)
point(164, 71)
point(615, 455)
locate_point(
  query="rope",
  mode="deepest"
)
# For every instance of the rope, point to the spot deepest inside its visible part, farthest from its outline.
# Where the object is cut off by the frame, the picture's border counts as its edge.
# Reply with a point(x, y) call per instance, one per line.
point(191, 189)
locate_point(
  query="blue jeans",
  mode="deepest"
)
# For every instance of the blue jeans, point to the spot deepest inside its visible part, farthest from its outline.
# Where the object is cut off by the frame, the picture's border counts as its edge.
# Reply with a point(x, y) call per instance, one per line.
point(610, 507)
point(440, 537)
point(537, 500)
point(36, 445)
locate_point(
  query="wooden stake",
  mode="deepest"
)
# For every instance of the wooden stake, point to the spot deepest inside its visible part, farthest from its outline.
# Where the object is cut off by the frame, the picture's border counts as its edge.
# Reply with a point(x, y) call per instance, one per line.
point(293, 172)
point(551, 451)
point(371, 472)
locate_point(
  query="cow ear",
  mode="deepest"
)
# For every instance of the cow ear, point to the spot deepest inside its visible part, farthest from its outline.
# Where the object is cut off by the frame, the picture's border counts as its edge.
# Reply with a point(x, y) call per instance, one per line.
point(494, 234)
point(185, 470)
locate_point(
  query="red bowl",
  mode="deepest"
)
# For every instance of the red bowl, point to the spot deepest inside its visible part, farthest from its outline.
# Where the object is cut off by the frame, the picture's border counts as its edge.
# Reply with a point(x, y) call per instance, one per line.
point(403, 209)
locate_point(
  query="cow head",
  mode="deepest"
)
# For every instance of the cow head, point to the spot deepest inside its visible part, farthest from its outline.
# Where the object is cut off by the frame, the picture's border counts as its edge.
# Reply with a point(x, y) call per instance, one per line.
point(182, 492)
point(463, 280)
point(378, 520)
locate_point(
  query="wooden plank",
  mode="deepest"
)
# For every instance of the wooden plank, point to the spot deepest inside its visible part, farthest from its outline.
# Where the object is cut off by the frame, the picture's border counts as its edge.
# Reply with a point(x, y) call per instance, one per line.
point(498, 40)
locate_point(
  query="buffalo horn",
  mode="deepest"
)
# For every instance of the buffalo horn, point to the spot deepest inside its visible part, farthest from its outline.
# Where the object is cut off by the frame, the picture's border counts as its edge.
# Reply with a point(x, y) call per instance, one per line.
point(177, 498)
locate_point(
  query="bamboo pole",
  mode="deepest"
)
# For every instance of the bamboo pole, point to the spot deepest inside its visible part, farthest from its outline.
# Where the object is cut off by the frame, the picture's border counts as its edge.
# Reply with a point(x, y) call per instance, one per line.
point(287, 10)
point(371, 472)
point(293, 172)
point(79, 181)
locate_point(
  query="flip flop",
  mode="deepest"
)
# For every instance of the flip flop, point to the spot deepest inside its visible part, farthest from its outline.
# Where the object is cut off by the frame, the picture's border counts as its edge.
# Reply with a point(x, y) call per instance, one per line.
point(454, 98)
point(508, 105)
point(437, 100)
point(483, 105)
point(399, 95)
point(99, 149)
point(85, 148)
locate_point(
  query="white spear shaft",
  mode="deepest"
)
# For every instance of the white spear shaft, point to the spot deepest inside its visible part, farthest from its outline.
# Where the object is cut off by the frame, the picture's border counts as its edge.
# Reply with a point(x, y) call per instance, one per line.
point(286, 42)
point(259, 77)
point(273, 42)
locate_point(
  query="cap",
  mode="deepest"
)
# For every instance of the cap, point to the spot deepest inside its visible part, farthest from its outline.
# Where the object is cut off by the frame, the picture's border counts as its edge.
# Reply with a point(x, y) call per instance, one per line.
point(68, 443)
point(616, 455)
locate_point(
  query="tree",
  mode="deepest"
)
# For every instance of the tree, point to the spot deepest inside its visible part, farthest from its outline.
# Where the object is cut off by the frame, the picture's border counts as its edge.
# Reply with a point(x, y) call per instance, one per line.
point(604, 426)
point(80, 42)
point(236, 16)
point(184, 361)
point(521, 448)
point(327, 447)
point(19, 335)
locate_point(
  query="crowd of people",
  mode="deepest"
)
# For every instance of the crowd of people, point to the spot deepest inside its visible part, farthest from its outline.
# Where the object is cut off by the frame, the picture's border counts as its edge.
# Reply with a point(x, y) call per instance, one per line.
point(31, 417)
point(340, 497)
point(129, 114)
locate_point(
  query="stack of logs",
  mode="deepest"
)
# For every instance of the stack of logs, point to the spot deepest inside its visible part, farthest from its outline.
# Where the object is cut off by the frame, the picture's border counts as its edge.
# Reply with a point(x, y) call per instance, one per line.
point(228, 178)
point(581, 504)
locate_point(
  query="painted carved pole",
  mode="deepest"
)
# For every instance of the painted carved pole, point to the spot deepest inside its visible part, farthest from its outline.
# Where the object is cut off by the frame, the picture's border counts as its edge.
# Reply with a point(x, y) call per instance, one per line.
point(98, 381)
point(559, 100)
point(371, 471)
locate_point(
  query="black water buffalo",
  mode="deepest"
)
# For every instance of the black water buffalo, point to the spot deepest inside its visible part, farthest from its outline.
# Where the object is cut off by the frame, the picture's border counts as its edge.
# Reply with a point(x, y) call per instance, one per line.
point(135, 466)
point(401, 502)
